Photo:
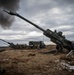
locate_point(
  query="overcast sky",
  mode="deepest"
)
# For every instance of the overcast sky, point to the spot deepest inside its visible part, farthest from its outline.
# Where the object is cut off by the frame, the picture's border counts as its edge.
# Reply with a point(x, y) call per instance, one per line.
point(48, 14)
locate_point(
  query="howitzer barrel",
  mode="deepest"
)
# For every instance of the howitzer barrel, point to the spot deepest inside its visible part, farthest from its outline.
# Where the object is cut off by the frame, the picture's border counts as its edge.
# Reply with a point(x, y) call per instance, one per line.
point(10, 44)
point(4, 41)
point(31, 23)
point(16, 14)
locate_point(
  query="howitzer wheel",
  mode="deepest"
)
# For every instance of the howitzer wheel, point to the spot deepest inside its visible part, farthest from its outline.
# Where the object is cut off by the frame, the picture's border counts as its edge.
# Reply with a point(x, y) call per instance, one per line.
point(59, 48)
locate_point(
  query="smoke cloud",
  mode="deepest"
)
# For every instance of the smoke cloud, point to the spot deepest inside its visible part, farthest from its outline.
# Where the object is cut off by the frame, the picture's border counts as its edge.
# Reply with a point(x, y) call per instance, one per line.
point(11, 5)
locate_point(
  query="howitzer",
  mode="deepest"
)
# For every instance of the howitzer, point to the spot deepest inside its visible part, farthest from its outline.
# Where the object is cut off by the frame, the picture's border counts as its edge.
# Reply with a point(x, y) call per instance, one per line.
point(15, 46)
point(54, 36)
point(10, 44)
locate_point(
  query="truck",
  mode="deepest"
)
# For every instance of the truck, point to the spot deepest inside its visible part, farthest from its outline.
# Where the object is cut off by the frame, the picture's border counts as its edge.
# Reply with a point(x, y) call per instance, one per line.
point(36, 44)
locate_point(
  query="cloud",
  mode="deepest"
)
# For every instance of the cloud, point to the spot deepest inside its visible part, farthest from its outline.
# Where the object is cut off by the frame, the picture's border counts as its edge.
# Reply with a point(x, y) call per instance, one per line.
point(17, 35)
point(5, 19)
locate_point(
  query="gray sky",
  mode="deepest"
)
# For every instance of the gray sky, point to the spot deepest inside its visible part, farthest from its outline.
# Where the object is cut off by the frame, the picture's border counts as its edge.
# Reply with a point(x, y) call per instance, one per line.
point(52, 14)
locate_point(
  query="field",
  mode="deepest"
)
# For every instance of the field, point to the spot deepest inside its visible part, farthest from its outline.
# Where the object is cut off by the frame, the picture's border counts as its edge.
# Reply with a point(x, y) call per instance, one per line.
point(32, 62)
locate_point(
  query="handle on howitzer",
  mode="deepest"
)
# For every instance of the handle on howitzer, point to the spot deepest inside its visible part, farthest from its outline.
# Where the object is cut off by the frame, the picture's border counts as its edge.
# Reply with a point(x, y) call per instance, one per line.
point(16, 14)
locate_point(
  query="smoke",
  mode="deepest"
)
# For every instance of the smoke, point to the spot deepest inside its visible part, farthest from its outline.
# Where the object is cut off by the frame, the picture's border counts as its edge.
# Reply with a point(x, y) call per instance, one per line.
point(11, 5)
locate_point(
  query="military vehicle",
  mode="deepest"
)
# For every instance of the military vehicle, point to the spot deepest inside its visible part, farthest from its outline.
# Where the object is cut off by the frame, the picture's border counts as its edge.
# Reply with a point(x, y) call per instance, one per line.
point(36, 44)
point(56, 37)
point(15, 46)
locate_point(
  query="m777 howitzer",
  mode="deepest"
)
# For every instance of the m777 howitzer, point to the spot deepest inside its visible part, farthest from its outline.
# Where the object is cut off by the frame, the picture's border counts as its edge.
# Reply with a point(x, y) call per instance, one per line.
point(56, 37)
point(15, 46)
point(10, 44)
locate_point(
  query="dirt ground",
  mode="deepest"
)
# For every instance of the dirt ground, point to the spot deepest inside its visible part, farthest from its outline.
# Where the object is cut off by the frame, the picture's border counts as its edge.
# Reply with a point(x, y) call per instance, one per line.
point(31, 62)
